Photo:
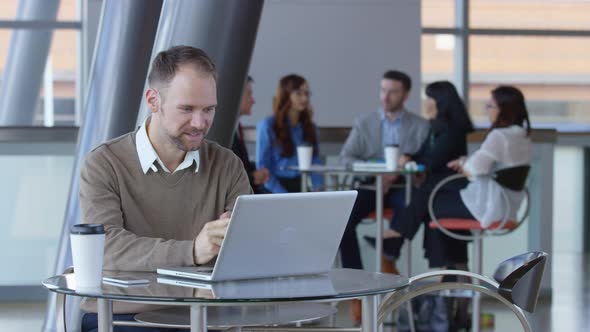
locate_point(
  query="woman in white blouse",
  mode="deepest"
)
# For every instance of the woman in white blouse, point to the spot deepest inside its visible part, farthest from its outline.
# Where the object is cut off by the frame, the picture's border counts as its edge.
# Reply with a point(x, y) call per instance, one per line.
point(507, 144)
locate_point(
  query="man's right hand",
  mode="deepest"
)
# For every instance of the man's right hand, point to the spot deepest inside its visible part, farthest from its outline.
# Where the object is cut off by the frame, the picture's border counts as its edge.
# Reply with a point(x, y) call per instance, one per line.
point(208, 242)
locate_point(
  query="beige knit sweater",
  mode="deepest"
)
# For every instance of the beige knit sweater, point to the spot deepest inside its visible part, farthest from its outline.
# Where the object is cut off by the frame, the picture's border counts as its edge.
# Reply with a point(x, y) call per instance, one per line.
point(152, 219)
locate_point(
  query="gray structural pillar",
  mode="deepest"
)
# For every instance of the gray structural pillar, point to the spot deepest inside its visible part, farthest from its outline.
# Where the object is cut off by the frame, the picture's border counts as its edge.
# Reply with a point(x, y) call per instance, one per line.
point(226, 30)
point(23, 72)
point(125, 40)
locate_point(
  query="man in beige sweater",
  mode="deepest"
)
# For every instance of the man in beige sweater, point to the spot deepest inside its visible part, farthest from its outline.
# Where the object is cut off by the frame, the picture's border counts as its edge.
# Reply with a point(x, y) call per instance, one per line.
point(163, 192)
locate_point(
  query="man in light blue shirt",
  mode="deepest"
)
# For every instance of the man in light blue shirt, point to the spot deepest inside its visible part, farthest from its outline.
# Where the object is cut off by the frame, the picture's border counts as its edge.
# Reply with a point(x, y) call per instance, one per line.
point(371, 132)
point(390, 129)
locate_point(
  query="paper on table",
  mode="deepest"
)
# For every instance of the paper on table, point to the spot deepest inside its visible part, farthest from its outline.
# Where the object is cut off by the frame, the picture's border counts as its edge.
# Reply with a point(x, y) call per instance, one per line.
point(369, 166)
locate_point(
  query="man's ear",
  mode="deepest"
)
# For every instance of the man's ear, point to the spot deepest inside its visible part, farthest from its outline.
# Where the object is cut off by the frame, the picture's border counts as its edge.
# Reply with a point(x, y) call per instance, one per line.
point(152, 97)
point(407, 96)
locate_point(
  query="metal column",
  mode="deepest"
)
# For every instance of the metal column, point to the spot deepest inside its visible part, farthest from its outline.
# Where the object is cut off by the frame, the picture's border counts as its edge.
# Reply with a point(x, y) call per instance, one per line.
point(226, 30)
point(23, 72)
point(461, 57)
point(121, 60)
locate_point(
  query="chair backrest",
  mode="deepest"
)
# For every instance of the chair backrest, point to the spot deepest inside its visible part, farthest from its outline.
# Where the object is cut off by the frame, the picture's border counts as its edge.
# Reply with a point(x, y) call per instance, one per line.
point(513, 178)
point(520, 278)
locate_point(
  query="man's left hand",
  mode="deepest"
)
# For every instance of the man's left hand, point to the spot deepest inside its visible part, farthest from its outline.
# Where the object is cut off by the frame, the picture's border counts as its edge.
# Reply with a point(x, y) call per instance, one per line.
point(403, 160)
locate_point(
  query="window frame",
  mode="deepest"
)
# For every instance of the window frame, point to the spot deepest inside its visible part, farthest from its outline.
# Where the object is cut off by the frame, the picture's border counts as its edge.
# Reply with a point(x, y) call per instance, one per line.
point(462, 31)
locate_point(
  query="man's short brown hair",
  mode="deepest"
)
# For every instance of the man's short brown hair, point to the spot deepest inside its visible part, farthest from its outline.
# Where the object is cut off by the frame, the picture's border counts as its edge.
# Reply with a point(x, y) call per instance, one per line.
point(166, 63)
point(403, 78)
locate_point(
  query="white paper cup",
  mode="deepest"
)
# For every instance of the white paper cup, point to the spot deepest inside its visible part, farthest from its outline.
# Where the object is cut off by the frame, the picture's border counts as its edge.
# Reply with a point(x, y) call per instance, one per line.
point(87, 252)
point(391, 153)
point(304, 156)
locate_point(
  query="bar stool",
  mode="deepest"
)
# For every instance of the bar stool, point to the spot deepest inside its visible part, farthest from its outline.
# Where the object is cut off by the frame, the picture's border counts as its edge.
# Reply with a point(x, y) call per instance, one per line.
point(515, 283)
point(513, 178)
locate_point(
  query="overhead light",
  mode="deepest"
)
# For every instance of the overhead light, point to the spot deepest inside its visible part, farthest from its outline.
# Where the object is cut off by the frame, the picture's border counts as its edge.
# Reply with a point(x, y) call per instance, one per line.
point(444, 42)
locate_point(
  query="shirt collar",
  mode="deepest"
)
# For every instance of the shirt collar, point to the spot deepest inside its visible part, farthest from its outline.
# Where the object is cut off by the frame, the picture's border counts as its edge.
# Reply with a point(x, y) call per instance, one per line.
point(148, 156)
point(399, 118)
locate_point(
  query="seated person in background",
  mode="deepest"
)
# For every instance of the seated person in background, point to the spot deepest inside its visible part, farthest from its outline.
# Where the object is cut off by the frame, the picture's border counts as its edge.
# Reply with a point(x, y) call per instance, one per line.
point(259, 176)
point(507, 144)
point(163, 192)
point(279, 135)
point(392, 124)
point(447, 141)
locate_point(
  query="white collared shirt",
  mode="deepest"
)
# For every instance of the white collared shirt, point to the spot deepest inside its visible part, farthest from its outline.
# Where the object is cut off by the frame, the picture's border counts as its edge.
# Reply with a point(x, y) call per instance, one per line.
point(484, 197)
point(148, 156)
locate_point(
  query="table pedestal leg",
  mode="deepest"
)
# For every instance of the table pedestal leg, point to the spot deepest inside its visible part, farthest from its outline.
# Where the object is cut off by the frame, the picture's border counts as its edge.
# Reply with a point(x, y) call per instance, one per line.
point(369, 314)
point(379, 220)
point(59, 312)
point(105, 315)
point(303, 182)
point(198, 318)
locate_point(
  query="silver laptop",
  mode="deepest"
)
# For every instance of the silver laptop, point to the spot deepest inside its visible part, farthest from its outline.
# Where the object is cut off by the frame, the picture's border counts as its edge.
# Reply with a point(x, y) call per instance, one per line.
point(278, 235)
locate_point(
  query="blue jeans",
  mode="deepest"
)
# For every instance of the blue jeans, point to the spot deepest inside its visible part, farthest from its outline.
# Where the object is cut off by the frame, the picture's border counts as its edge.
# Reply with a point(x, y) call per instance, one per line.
point(90, 324)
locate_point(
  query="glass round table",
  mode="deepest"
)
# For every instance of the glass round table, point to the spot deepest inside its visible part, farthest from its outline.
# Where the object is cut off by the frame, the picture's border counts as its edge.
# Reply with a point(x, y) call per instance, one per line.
point(337, 285)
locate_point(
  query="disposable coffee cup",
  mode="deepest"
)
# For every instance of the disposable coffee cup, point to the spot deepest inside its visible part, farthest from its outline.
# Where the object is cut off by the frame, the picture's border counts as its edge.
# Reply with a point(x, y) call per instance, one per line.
point(304, 156)
point(87, 252)
point(391, 153)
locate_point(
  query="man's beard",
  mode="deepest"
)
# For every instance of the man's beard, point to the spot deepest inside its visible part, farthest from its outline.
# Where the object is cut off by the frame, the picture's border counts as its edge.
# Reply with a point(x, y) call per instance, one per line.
point(177, 140)
point(394, 108)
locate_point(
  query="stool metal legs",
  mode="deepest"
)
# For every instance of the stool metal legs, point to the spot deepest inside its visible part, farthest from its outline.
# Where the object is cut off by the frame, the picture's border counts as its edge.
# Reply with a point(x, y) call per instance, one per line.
point(477, 267)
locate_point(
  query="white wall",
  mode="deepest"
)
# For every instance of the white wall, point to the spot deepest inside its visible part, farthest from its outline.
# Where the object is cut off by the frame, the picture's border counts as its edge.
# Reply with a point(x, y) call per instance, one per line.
point(342, 47)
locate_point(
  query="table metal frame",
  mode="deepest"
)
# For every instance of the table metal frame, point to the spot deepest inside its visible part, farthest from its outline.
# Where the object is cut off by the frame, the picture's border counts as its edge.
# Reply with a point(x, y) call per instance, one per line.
point(378, 216)
point(378, 202)
point(370, 296)
point(198, 314)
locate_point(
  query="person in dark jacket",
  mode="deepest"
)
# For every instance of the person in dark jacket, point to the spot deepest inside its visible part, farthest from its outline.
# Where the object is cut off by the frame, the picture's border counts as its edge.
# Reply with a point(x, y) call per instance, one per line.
point(257, 177)
point(447, 141)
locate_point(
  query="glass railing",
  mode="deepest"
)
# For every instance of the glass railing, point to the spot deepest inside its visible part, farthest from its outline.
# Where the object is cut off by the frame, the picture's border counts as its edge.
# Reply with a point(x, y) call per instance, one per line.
point(36, 169)
point(35, 173)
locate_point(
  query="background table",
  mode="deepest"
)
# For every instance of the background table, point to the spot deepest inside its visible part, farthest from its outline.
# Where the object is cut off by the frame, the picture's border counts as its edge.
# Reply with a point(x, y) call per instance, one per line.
point(338, 284)
point(378, 175)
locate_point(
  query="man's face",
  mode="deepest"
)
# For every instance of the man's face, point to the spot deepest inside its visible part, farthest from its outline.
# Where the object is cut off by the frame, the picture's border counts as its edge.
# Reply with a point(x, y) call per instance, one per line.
point(247, 100)
point(186, 108)
point(392, 95)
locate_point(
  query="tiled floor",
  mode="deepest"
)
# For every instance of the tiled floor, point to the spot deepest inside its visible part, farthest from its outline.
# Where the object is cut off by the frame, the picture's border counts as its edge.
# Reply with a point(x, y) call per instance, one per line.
point(569, 309)
point(22, 316)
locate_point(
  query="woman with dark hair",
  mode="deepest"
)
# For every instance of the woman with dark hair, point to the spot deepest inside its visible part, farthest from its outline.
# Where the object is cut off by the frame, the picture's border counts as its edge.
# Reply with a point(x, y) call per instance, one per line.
point(279, 135)
point(447, 141)
point(507, 144)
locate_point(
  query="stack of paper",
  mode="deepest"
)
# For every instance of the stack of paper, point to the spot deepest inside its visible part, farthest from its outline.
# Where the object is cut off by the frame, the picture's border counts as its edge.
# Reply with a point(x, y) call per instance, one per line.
point(368, 166)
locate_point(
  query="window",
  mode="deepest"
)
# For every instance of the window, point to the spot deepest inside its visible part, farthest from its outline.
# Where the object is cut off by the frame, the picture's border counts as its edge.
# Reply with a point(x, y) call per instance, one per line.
point(59, 83)
point(530, 14)
point(540, 46)
point(552, 72)
point(438, 13)
point(66, 10)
